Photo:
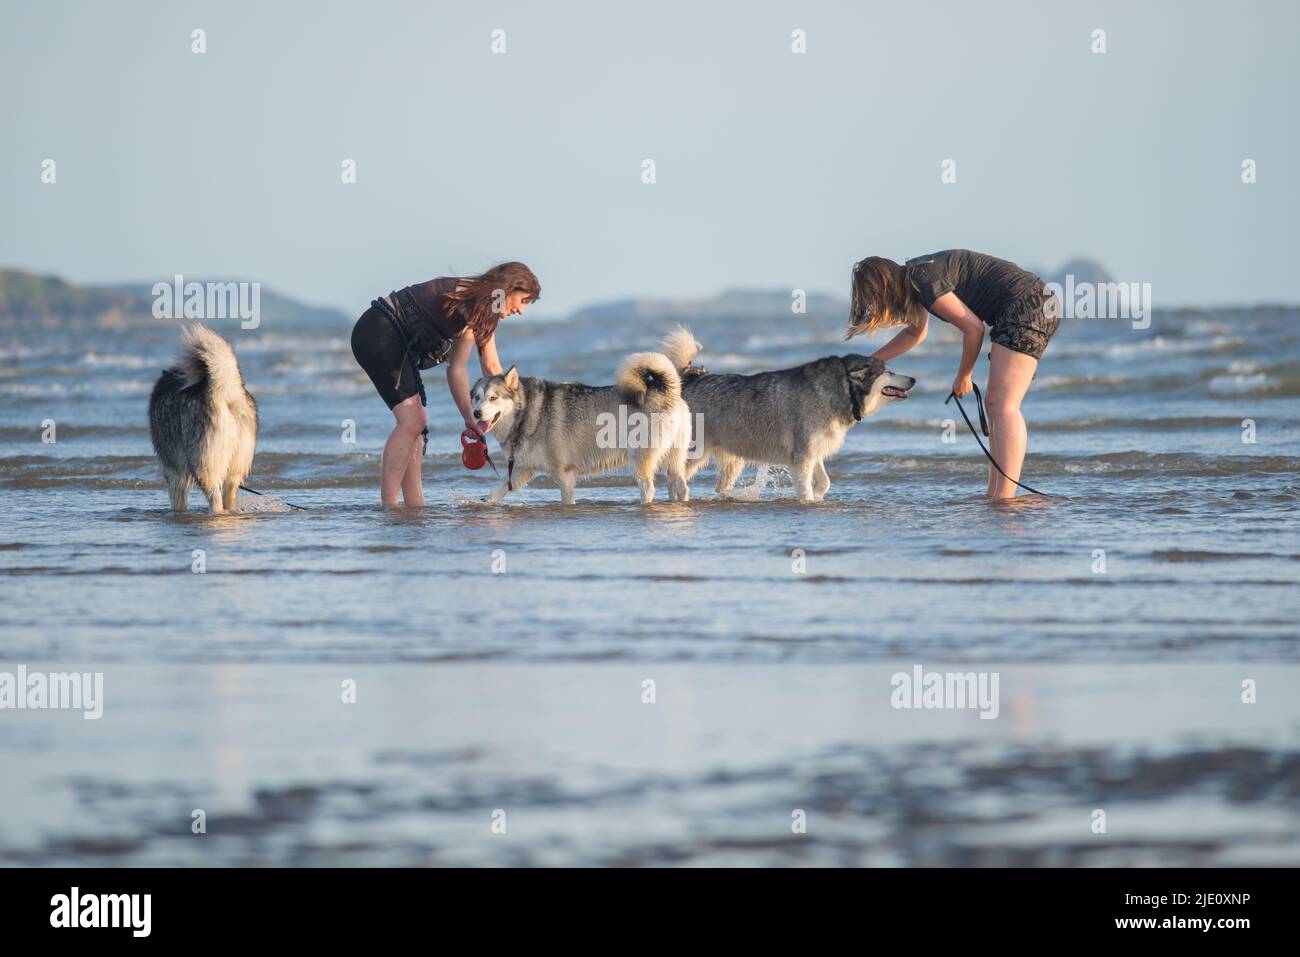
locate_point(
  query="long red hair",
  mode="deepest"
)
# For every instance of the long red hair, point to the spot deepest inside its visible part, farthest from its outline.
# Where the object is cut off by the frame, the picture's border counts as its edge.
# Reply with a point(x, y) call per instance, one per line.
point(479, 298)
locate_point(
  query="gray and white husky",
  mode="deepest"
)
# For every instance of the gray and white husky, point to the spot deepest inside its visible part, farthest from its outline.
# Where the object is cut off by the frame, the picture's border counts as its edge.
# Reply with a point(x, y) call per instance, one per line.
point(791, 417)
point(568, 430)
point(203, 422)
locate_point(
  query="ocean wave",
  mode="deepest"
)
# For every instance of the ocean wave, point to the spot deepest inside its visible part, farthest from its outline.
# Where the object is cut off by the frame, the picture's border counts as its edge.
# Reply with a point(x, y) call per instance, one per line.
point(19, 351)
point(1198, 555)
point(293, 470)
point(732, 362)
point(119, 361)
point(1078, 383)
point(1132, 463)
point(82, 386)
point(1160, 343)
point(1092, 424)
point(68, 430)
point(285, 470)
point(1242, 383)
point(1239, 378)
point(1142, 343)
point(307, 365)
point(284, 342)
point(832, 337)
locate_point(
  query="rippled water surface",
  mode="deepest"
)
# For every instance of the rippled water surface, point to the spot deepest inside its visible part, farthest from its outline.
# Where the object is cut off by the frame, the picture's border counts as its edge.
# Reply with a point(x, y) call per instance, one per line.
point(1137, 435)
point(1168, 541)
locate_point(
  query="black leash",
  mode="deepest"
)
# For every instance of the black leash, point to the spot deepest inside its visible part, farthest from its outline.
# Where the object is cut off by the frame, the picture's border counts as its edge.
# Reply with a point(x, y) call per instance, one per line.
point(245, 488)
point(509, 445)
point(984, 425)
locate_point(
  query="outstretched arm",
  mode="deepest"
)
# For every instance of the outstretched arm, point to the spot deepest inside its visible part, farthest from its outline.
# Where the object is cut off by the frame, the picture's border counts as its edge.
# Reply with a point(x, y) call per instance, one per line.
point(905, 341)
point(955, 312)
point(488, 361)
point(458, 377)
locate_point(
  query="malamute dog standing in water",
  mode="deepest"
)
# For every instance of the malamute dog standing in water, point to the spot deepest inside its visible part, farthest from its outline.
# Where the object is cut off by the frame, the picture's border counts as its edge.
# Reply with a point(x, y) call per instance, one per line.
point(563, 428)
point(203, 422)
point(791, 417)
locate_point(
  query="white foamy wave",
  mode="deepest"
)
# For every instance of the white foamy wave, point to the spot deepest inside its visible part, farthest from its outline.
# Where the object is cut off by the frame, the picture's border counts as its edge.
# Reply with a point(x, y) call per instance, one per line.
point(40, 391)
point(27, 352)
point(124, 386)
point(1235, 384)
point(56, 389)
point(1163, 344)
point(1075, 381)
point(299, 365)
point(114, 361)
point(279, 342)
point(759, 341)
point(727, 361)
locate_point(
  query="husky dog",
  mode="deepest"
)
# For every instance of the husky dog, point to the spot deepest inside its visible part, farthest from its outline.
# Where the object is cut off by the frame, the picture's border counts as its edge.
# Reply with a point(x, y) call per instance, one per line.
point(569, 430)
point(203, 422)
point(792, 417)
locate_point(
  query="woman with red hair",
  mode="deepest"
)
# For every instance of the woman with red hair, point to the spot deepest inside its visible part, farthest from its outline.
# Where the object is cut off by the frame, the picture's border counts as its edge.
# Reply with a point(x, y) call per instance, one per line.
point(418, 327)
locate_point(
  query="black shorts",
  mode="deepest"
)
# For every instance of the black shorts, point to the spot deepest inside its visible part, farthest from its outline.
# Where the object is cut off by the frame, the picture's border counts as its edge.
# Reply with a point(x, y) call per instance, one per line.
point(379, 349)
point(1028, 322)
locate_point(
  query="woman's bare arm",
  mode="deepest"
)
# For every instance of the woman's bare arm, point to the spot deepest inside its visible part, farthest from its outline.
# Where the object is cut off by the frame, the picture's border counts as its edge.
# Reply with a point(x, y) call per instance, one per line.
point(488, 361)
point(458, 375)
point(952, 310)
point(905, 341)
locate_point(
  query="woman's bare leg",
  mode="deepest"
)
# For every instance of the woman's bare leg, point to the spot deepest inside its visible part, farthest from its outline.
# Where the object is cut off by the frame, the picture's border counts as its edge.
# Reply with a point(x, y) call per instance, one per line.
point(411, 420)
point(1009, 375)
point(412, 487)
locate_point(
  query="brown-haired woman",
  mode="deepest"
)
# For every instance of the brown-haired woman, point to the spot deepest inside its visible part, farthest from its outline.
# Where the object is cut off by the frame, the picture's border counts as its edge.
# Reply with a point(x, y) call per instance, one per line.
point(417, 328)
point(968, 290)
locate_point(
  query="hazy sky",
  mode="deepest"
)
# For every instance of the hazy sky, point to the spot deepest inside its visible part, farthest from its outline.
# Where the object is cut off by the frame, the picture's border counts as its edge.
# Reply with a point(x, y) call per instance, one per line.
point(773, 168)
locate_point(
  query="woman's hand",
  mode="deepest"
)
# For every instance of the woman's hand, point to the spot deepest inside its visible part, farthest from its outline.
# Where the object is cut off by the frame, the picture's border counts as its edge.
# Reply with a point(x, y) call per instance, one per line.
point(961, 385)
point(475, 426)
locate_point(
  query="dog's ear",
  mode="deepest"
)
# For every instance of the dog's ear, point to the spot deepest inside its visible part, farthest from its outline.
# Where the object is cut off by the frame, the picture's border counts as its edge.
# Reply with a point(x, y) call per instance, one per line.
point(512, 377)
point(863, 368)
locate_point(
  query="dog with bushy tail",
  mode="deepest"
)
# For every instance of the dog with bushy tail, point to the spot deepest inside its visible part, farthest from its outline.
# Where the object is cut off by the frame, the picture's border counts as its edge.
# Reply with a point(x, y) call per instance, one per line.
point(203, 422)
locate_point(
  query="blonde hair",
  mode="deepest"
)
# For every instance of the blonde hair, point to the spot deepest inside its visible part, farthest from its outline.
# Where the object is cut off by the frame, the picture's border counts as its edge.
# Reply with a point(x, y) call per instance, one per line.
point(881, 297)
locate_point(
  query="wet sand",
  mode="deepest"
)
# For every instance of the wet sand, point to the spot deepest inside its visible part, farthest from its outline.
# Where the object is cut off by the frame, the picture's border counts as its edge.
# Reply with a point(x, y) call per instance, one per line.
point(417, 770)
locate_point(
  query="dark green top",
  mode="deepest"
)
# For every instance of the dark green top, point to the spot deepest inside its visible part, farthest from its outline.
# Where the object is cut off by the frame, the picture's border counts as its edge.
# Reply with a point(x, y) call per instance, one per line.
point(986, 284)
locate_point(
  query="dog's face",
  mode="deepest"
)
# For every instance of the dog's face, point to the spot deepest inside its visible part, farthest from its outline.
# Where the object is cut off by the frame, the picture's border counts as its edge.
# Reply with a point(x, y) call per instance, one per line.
point(495, 396)
point(872, 384)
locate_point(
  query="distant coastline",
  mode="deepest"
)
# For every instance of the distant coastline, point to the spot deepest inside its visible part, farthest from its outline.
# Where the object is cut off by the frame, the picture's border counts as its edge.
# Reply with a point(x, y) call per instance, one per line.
point(29, 298)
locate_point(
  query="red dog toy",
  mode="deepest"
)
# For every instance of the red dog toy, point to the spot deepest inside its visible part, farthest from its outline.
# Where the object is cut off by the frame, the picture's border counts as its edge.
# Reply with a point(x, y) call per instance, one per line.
point(474, 451)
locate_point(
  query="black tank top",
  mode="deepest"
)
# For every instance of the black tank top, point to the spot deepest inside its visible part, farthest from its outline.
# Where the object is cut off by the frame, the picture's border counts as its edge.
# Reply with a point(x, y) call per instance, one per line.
point(430, 323)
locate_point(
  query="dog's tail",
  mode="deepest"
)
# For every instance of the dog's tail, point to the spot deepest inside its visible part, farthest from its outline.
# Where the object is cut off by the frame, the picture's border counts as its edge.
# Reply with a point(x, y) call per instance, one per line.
point(205, 355)
point(681, 348)
point(649, 381)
